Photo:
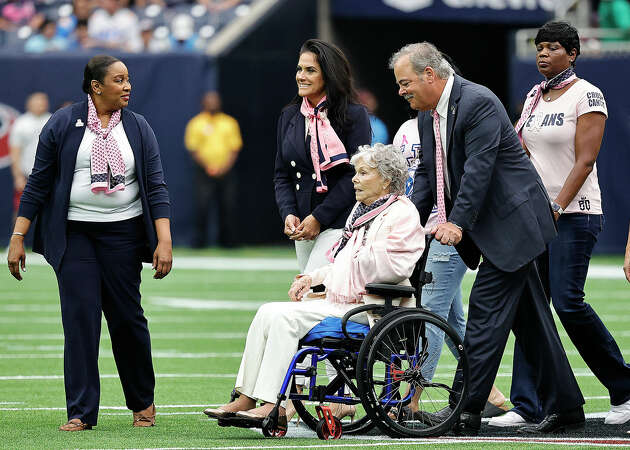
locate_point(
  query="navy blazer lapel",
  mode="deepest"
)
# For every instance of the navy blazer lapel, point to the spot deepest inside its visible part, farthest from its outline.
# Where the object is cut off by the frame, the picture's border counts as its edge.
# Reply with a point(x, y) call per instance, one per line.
point(297, 137)
point(132, 130)
point(453, 102)
point(72, 140)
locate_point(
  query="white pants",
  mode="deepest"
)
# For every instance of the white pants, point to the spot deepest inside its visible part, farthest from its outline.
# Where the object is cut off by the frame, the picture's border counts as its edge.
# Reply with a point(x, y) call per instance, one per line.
point(311, 255)
point(272, 341)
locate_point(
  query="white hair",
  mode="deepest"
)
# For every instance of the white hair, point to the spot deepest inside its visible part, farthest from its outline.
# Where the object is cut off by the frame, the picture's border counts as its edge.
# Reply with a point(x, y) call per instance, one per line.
point(421, 56)
point(388, 161)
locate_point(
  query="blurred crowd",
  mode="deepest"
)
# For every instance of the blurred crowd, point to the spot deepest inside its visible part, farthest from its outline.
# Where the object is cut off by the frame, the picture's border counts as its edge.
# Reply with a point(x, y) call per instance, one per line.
point(37, 26)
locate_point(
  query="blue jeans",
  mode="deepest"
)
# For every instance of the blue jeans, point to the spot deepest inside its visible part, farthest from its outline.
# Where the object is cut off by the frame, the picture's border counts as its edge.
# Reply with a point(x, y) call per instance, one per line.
point(443, 297)
point(567, 258)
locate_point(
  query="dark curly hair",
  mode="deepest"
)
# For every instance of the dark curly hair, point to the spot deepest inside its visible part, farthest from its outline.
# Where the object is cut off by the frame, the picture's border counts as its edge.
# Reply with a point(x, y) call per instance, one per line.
point(562, 32)
point(338, 81)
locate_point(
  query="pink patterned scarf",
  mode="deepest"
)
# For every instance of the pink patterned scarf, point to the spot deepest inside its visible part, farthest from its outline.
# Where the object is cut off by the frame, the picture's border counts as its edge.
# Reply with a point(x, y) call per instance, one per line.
point(327, 150)
point(534, 96)
point(350, 287)
point(106, 161)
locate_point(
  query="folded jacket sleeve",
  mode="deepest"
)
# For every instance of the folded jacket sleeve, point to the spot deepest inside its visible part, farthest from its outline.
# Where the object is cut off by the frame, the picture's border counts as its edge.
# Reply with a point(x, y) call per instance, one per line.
point(157, 191)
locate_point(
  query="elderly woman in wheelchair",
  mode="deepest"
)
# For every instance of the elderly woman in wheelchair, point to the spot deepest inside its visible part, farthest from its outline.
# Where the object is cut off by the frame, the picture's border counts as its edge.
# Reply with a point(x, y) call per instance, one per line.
point(382, 242)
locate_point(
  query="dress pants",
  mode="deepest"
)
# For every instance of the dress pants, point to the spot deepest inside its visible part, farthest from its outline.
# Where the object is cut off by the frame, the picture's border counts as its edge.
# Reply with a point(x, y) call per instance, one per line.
point(500, 301)
point(100, 272)
point(443, 297)
point(213, 192)
point(272, 341)
point(311, 255)
point(567, 259)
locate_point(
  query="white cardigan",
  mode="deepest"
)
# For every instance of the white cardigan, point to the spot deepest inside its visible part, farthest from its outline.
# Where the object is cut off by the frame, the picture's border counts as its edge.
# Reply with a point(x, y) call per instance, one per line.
point(393, 244)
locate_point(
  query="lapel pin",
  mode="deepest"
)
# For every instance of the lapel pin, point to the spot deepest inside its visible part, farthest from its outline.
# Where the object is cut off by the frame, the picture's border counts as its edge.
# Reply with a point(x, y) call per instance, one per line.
point(79, 123)
point(453, 109)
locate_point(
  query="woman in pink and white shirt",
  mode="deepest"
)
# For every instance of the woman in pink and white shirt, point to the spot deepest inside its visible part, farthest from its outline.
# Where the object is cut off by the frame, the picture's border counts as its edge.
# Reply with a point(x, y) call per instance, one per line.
point(562, 126)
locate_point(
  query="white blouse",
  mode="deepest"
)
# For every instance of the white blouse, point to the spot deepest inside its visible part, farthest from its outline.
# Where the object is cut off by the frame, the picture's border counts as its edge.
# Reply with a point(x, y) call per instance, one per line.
point(88, 206)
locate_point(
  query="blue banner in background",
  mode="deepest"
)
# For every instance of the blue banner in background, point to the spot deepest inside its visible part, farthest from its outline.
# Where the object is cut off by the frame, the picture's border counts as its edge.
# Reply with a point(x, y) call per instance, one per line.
point(534, 12)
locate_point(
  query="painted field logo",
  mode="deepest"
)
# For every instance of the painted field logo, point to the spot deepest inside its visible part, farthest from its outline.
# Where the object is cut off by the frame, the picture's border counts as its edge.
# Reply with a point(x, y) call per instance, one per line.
point(7, 116)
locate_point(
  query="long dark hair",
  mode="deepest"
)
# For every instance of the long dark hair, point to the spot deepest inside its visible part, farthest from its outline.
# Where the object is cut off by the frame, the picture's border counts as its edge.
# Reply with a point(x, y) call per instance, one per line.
point(337, 76)
point(96, 69)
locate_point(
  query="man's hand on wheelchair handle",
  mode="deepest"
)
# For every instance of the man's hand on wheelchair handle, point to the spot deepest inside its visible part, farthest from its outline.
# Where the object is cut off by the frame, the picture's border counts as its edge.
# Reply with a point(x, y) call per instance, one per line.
point(300, 286)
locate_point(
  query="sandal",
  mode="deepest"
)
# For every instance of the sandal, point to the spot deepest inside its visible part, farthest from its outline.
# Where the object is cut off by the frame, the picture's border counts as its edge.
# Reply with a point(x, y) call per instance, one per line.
point(75, 425)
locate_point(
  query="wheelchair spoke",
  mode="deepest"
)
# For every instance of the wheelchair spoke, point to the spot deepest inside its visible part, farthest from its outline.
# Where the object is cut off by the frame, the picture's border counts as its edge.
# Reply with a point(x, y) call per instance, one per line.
point(397, 363)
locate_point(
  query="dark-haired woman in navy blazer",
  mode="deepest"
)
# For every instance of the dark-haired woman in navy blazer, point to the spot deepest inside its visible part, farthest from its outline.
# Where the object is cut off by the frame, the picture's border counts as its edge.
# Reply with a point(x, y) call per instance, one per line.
point(98, 190)
point(317, 134)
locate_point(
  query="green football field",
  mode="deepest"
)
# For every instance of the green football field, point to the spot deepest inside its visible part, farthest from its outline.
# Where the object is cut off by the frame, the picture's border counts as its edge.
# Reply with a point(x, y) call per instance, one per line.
point(198, 318)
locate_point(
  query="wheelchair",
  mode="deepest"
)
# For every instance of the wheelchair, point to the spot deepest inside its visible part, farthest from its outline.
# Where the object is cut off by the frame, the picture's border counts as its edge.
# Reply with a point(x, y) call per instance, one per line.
point(381, 370)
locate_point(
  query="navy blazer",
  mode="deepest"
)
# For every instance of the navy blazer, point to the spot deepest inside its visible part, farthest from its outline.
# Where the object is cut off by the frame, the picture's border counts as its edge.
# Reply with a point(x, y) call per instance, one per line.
point(294, 177)
point(47, 192)
point(497, 196)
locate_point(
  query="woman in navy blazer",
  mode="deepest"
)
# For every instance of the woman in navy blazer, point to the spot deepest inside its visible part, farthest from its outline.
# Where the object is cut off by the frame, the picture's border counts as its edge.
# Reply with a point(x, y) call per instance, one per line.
point(314, 209)
point(95, 229)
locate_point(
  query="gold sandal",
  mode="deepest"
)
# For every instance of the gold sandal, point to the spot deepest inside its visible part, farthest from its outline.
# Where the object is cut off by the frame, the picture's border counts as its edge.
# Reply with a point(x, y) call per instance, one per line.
point(75, 425)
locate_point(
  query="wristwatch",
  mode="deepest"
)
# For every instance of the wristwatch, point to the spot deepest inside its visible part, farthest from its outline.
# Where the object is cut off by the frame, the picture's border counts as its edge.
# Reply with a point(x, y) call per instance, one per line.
point(556, 208)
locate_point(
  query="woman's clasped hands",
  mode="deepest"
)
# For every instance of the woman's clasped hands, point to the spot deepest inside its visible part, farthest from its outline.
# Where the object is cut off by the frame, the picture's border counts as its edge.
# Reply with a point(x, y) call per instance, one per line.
point(308, 229)
point(300, 286)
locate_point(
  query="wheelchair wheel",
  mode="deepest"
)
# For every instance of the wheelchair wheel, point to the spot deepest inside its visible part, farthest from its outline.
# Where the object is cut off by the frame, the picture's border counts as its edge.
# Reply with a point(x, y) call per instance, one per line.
point(392, 381)
point(360, 425)
point(324, 433)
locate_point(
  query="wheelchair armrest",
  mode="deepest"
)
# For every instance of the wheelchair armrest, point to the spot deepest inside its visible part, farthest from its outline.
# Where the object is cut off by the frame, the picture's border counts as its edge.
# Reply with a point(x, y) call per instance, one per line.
point(354, 312)
point(389, 290)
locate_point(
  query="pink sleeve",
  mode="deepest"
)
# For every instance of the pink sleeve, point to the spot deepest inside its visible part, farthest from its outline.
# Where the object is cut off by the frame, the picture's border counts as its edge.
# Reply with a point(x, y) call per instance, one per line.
point(319, 275)
point(392, 256)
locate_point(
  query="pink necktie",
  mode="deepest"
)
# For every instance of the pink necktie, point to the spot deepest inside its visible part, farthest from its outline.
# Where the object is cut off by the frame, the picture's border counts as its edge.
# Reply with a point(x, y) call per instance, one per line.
point(439, 171)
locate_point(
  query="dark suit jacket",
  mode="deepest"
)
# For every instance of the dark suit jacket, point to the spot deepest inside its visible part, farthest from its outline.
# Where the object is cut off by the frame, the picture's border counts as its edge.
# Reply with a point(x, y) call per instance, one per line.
point(497, 196)
point(47, 192)
point(293, 179)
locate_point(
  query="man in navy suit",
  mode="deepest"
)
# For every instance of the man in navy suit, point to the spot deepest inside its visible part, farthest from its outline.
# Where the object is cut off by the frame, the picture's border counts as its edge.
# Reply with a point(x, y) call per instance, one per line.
point(493, 205)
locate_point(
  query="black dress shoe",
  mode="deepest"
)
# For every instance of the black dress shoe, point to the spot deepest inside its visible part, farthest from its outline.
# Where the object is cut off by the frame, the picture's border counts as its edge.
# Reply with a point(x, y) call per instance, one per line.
point(468, 424)
point(557, 423)
point(441, 415)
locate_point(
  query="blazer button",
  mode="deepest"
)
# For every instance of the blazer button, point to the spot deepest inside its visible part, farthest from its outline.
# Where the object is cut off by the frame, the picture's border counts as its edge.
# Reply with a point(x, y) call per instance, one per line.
point(314, 176)
point(292, 163)
point(297, 187)
point(298, 174)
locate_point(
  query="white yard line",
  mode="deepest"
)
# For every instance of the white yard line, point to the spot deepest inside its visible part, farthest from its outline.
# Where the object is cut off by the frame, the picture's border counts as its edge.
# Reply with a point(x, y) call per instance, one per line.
point(450, 441)
point(105, 336)
point(106, 376)
point(581, 374)
point(209, 263)
point(111, 408)
point(290, 264)
point(154, 354)
point(205, 304)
